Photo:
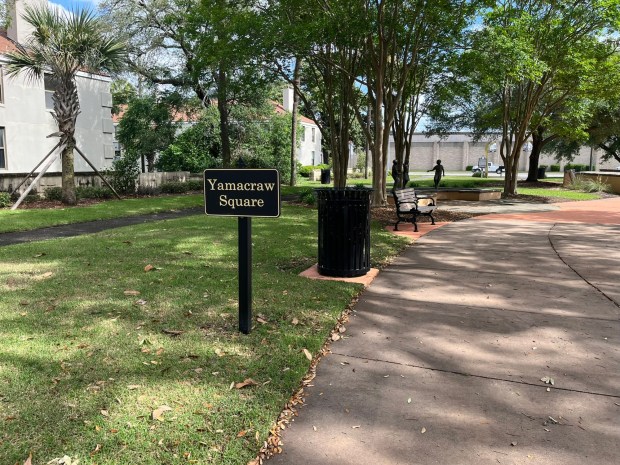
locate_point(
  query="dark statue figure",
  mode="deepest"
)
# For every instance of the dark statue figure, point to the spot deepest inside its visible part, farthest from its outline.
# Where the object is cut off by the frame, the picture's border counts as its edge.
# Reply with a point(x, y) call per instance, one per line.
point(395, 174)
point(439, 172)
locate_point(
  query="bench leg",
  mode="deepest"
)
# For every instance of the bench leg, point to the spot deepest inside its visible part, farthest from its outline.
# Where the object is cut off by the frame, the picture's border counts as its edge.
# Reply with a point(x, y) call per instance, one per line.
point(415, 225)
point(432, 219)
point(396, 225)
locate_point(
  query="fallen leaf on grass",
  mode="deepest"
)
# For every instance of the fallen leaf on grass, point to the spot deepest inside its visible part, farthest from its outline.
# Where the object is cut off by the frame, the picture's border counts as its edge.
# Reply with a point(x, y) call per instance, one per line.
point(47, 275)
point(295, 321)
point(64, 460)
point(246, 382)
point(140, 302)
point(307, 354)
point(148, 268)
point(240, 434)
point(95, 450)
point(261, 321)
point(42, 254)
point(335, 337)
point(158, 413)
point(131, 292)
point(28, 460)
point(105, 413)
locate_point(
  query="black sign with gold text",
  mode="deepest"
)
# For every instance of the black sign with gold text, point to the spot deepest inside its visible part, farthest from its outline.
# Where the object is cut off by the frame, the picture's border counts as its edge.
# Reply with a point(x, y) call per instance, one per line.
point(242, 192)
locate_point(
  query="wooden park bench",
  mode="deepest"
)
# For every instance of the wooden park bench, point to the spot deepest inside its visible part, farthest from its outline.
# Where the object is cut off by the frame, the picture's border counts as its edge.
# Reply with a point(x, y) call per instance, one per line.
point(408, 206)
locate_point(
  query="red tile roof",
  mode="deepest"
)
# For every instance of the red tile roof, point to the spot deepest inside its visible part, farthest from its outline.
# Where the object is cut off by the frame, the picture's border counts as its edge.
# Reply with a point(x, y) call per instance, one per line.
point(188, 117)
point(280, 110)
point(6, 44)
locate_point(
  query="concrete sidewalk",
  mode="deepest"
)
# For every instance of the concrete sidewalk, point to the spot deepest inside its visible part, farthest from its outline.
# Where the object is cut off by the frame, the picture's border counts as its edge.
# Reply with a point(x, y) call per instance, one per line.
point(444, 354)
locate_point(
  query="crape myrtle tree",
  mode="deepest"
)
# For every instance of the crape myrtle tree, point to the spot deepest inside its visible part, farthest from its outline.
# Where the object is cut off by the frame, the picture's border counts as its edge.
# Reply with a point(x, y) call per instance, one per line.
point(62, 44)
point(316, 47)
point(400, 38)
point(528, 62)
point(363, 54)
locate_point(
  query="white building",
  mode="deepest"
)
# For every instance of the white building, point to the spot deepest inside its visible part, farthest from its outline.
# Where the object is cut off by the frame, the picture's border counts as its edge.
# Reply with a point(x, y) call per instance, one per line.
point(309, 149)
point(26, 117)
point(458, 150)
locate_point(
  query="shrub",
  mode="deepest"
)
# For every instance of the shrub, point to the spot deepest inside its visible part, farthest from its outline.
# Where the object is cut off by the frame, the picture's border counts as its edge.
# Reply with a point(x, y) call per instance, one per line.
point(577, 167)
point(125, 174)
point(53, 193)
point(307, 196)
point(469, 167)
point(174, 187)
point(195, 185)
point(148, 191)
point(305, 171)
point(590, 185)
point(477, 174)
point(93, 192)
point(554, 168)
point(5, 199)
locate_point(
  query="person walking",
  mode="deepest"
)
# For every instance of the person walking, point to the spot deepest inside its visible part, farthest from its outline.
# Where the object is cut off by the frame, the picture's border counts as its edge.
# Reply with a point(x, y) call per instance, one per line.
point(439, 172)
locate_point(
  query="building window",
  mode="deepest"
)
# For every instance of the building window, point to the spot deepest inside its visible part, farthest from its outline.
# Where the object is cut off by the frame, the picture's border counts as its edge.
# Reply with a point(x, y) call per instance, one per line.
point(50, 88)
point(2, 150)
point(313, 136)
point(313, 161)
point(1, 85)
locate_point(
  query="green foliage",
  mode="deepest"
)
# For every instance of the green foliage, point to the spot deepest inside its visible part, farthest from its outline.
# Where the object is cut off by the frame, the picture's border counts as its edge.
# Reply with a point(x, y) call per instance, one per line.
point(590, 185)
point(93, 192)
point(148, 126)
point(554, 168)
point(307, 196)
point(469, 167)
point(177, 187)
point(262, 139)
point(305, 171)
point(5, 199)
point(124, 175)
point(53, 193)
point(148, 191)
point(122, 93)
point(195, 148)
point(174, 187)
point(577, 167)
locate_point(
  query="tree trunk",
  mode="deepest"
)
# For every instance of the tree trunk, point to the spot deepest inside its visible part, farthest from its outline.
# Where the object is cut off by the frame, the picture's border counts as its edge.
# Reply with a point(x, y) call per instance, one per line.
point(222, 106)
point(66, 111)
point(68, 175)
point(537, 145)
point(296, 83)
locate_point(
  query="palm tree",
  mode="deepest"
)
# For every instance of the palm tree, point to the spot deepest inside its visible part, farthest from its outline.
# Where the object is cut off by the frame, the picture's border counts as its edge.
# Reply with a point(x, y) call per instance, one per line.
point(61, 45)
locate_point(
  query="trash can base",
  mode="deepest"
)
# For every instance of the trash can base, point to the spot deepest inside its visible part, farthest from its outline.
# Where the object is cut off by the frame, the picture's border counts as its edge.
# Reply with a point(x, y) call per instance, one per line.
point(338, 273)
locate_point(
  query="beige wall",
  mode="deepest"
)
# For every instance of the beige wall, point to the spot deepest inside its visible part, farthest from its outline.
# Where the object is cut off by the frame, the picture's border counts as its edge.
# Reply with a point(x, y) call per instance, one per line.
point(459, 151)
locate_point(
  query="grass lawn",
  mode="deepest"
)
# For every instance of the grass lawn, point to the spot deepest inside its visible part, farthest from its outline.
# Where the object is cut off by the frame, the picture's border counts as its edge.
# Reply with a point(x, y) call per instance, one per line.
point(558, 192)
point(92, 369)
point(22, 220)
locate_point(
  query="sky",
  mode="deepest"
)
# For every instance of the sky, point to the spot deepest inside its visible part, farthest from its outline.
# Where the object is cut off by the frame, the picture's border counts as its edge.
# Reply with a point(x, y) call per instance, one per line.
point(76, 4)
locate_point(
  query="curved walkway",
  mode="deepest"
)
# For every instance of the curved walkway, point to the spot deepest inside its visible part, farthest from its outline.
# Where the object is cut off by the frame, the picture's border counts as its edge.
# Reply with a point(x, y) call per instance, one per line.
point(448, 348)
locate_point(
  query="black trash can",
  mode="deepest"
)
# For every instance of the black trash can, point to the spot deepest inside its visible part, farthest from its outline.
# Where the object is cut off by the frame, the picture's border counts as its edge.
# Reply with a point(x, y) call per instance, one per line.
point(344, 231)
point(541, 172)
point(326, 177)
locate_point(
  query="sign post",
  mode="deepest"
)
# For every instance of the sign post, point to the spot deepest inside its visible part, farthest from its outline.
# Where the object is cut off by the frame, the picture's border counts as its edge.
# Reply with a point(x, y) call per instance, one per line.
point(244, 193)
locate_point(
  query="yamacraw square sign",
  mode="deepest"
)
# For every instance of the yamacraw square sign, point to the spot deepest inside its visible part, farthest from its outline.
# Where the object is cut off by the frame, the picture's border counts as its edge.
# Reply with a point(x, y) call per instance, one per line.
point(242, 192)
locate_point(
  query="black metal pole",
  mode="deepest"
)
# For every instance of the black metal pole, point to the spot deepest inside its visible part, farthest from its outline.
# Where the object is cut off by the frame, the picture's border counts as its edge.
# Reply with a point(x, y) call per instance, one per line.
point(245, 274)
